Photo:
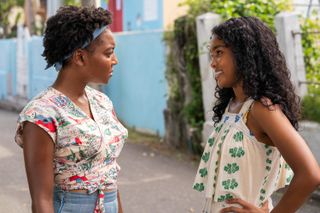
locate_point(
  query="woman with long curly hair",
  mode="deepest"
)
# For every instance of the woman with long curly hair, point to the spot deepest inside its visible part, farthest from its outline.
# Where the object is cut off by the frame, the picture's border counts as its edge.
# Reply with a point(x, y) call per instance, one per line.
point(254, 148)
point(70, 134)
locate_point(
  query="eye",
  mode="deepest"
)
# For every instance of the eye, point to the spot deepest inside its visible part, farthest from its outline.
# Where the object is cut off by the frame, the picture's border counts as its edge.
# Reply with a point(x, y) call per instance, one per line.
point(109, 54)
point(218, 52)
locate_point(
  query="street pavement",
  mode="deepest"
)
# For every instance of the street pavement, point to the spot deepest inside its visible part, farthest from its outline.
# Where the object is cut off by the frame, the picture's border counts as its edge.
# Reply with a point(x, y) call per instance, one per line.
point(151, 181)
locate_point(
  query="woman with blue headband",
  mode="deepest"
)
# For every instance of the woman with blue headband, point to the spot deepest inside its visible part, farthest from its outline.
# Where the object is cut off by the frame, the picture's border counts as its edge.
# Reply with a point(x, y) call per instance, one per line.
point(70, 134)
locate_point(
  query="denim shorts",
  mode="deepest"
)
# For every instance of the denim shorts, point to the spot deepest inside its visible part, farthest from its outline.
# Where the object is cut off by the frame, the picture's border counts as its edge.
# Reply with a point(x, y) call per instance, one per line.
point(65, 202)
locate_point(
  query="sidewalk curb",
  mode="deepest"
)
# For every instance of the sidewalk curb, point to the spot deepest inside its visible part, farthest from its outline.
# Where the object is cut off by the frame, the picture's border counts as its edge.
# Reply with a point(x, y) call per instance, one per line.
point(14, 105)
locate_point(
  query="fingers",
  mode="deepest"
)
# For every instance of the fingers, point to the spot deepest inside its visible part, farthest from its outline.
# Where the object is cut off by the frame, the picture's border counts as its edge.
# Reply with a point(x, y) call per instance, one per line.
point(239, 201)
point(232, 209)
point(265, 205)
point(242, 203)
point(246, 207)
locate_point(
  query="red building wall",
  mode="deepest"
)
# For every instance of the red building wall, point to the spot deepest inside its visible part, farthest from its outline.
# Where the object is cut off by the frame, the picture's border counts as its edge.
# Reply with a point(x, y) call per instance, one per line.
point(116, 7)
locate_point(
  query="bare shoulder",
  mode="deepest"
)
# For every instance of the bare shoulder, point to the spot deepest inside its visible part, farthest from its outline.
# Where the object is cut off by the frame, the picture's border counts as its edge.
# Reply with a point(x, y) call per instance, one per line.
point(264, 107)
point(268, 116)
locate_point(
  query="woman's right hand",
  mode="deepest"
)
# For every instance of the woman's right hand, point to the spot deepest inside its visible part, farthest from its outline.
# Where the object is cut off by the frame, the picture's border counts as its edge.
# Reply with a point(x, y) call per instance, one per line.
point(38, 150)
point(246, 207)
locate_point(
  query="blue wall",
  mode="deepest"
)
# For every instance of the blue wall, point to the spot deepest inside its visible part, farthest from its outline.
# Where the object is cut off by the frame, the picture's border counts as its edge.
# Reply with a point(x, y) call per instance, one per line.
point(133, 10)
point(39, 78)
point(7, 67)
point(138, 85)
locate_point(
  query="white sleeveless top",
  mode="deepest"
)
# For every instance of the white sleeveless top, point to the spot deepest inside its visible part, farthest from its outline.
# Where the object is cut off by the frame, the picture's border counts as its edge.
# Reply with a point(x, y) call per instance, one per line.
point(235, 164)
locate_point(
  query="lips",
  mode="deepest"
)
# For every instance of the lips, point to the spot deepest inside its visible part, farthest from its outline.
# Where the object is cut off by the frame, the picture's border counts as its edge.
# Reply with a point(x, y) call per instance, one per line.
point(217, 73)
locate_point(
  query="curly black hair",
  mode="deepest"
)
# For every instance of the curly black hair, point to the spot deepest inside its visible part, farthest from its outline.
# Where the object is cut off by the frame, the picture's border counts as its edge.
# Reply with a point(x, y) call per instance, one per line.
point(259, 64)
point(69, 29)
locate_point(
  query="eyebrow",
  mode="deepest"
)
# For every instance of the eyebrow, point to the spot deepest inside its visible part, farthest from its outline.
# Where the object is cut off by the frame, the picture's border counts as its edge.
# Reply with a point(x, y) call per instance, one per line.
point(110, 48)
point(217, 46)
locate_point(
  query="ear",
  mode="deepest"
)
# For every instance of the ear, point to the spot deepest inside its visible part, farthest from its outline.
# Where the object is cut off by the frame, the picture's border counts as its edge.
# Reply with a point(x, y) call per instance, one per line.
point(79, 57)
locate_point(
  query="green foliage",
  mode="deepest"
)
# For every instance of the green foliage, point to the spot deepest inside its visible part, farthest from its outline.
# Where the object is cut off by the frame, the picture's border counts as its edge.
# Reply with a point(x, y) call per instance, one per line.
point(5, 8)
point(311, 48)
point(72, 2)
point(182, 74)
point(171, 72)
point(311, 108)
point(184, 34)
point(197, 7)
point(263, 9)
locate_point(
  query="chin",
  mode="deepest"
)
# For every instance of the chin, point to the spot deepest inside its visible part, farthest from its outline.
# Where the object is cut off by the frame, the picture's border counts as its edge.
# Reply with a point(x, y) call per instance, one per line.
point(101, 81)
point(224, 84)
point(106, 81)
point(221, 86)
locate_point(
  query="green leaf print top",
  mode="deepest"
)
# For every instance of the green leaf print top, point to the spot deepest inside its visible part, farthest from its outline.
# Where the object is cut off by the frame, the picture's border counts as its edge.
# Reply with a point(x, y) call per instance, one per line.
point(235, 164)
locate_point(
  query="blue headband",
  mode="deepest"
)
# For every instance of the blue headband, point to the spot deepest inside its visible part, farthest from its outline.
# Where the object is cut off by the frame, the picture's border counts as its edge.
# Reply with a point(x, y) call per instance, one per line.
point(95, 34)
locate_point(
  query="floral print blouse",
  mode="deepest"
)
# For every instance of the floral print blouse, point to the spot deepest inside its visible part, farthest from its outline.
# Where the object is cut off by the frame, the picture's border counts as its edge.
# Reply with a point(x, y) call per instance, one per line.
point(86, 149)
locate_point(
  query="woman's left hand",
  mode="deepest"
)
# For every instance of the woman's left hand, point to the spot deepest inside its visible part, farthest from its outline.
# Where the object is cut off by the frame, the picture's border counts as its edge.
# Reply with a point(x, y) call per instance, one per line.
point(246, 207)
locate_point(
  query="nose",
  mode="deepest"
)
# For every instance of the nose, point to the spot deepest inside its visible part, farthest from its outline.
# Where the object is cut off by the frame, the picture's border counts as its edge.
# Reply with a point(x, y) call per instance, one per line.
point(213, 62)
point(114, 59)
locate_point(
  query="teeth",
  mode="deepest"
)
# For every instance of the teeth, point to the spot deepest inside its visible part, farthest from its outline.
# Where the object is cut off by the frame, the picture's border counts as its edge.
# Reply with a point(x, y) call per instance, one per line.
point(217, 73)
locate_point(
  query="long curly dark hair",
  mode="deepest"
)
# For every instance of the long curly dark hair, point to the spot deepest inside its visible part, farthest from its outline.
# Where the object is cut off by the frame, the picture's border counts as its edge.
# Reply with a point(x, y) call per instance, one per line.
point(69, 29)
point(259, 64)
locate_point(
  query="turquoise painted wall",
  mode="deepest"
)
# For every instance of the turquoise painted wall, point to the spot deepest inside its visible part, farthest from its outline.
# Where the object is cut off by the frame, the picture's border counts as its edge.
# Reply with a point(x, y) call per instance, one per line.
point(133, 9)
point(138, 85)
point(133, 15)
point(39, 78)
point(7, 67)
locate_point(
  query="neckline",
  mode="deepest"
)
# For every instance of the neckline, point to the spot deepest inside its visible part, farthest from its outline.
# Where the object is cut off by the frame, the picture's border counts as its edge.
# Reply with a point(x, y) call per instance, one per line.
point(75, 105)
point(240, 110)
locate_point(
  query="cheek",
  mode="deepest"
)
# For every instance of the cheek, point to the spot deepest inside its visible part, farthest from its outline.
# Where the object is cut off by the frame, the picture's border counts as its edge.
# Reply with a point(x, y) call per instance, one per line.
point(231, 68)
point(104, 63)
point(108, 62)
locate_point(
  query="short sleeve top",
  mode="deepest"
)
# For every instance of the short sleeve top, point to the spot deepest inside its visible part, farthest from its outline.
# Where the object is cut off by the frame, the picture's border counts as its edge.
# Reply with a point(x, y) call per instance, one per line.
point(85, 149)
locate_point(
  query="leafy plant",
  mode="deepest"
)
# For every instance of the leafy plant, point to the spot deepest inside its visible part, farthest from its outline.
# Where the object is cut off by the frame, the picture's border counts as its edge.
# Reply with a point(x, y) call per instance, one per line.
point(311, 108)
point(263, 9)
point(311, 48)
point(5, 8)
point(72, 2)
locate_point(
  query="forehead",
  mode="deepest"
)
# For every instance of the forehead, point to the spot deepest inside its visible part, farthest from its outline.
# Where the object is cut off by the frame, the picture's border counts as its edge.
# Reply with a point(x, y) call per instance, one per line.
point(105, 40)
point(216, 42)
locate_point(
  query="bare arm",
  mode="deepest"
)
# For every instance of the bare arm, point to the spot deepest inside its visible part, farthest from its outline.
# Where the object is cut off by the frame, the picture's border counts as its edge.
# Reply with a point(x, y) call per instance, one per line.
point(38, 152)
point(296, 153)
point(119, 203)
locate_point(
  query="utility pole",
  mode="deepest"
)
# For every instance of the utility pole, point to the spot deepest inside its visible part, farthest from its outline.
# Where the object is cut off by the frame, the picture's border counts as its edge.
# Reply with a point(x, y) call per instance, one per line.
point(53, 6)
point(29, 15)
point(91, 3)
